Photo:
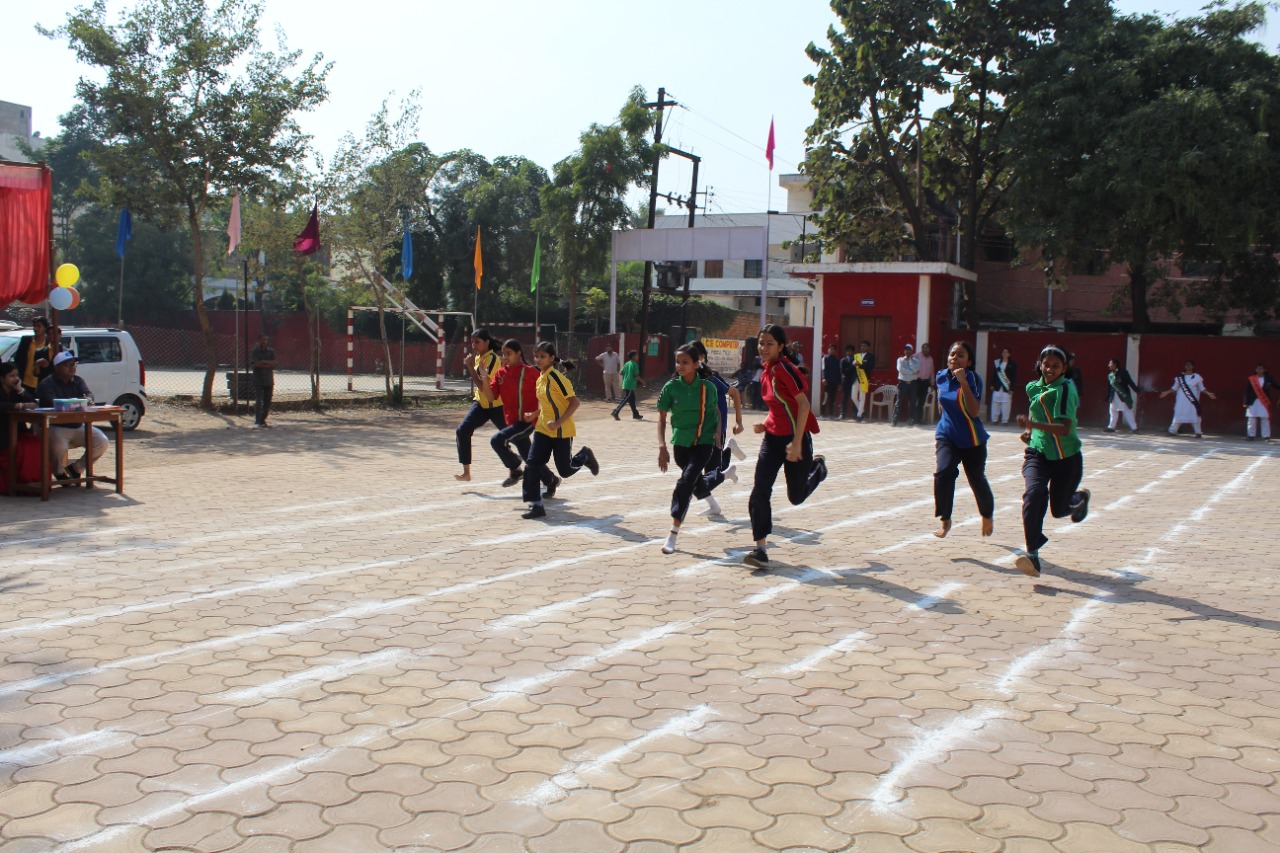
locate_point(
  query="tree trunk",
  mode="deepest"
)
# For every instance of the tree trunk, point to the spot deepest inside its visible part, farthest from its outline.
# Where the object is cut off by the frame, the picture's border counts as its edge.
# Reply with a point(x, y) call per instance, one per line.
point(382, 330)
point(197, 295)
point(1139, 282)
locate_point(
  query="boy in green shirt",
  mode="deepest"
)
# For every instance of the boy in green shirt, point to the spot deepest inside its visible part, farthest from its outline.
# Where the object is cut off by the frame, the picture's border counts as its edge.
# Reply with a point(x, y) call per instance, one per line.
point(1053, 466)
point(630, 376)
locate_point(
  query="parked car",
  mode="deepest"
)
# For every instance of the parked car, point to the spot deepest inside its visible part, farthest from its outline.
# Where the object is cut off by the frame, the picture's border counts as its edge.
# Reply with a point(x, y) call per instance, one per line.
point(110, 363)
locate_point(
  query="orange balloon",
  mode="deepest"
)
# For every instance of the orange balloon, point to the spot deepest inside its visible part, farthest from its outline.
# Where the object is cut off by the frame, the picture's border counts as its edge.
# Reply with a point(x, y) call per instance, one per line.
point(75, 297)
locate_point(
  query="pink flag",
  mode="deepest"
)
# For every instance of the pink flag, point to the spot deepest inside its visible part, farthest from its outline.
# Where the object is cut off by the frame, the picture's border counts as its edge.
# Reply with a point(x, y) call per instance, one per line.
point(233, 227)
point(308, 242)
point(769, 146)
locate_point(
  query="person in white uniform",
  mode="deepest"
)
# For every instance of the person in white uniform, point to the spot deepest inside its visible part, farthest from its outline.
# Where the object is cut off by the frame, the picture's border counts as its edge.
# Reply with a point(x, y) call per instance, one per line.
point(1122, 396)
point(1257, 403)
point(1187, 388)
point(1006, 374)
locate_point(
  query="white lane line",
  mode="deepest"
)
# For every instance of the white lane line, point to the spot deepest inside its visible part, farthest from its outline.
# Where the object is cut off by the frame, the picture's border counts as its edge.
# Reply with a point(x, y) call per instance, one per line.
point(313, 676)
point(928, 747)
point(807, 576)
point(572, 777)
point(1156, 481)
point(1235, 483)
point(926, 602)
point(40, 753)
point(929, 537)
point(322, 505)
point(549, 610)
point(854, 640)
point(64, 537)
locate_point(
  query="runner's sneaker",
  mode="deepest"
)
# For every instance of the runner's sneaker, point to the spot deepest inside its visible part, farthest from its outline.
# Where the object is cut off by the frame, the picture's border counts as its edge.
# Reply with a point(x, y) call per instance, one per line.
point(535, 511)
point(550, 491)
point(1080, 509)
point(1029, 565)
point(736, 450)
point(756, 558)
point(820, 462)
point(515, 477)
point(731, 473)
point(669, 547)
point(712, 507)
point(590, 461)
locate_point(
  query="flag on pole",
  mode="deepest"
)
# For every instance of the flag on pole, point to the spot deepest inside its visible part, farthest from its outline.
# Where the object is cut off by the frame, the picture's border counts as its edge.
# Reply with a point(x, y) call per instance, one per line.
point(769, 146)
point(124, 231)
point(479, 259)
point(537, 266)
point(233, 227)
point(406, 252)
point(308, 242)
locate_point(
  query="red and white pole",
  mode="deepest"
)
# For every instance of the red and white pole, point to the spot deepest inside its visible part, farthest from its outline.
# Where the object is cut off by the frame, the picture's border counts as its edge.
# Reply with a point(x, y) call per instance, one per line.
point(440, 352)
point(351, 348)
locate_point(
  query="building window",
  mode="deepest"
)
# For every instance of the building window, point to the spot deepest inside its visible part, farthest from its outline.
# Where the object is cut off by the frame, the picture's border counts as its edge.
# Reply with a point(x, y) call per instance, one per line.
point(713, 269)
point(752, 269)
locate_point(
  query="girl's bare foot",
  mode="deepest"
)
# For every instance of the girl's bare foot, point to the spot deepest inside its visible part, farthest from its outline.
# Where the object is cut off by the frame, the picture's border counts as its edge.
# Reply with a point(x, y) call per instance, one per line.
point(463, 478)
point(942, 532)
point(988, 526)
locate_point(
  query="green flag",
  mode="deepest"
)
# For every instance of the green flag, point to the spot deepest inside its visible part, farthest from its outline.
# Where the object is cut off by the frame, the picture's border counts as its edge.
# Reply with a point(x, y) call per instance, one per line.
point(537, 265)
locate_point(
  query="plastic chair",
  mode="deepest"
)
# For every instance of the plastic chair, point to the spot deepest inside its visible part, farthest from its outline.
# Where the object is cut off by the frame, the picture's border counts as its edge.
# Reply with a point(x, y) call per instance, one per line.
point(882, 398)
point(930, 408)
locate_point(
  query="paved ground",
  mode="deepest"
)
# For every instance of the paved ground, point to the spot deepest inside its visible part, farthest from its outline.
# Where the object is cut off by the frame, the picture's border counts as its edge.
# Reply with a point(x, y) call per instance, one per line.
point(312, 639)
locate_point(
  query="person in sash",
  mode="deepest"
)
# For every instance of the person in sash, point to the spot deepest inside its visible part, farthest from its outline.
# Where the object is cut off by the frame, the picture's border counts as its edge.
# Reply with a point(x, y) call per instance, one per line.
point(856, 374)
point(1121, 399)
point(1188, 387)
point(1257, 403)
point(1006, 373)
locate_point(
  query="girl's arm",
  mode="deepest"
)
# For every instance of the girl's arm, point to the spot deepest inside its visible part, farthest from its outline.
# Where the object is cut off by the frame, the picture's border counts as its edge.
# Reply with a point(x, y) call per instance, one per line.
point(967, 400)
point(737, 408)
point(1059, 427)
point(802, 426)
point(663, 457)
point(476, 379)
point(486, 390)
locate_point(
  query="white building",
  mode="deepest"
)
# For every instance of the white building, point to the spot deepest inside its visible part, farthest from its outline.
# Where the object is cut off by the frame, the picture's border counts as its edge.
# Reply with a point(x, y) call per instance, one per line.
point(15, 125)
point(736, 282)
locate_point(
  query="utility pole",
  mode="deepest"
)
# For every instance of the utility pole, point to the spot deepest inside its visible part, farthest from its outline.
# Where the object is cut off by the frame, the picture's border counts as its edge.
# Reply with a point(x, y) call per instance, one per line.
point(661, 104)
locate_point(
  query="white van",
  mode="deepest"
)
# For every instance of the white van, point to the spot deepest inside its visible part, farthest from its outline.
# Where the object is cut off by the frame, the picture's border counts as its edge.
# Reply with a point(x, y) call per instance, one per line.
point(110, 364)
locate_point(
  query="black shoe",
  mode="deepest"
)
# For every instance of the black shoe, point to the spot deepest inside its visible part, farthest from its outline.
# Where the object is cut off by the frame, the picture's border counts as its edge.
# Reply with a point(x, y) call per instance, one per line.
point(615, 416)
point(637, 417)
point(67, 478)
point(820, 462)
point(1248, 438)
point(1080, 511)
point(756, 558)
point(1133, 432)
point(1029, 565)
point(513, 479)
point(550, 491)
point(535, 511)
point(589, 460)
point(1198, 435)
point(1107, 429)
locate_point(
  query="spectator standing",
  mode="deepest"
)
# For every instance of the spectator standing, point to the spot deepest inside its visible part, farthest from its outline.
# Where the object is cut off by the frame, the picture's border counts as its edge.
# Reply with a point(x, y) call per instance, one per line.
point(63, 384)
point(1257, 403)
point(830, 381)
point(1189, 388)
point(611, 364)
point(1006, 374)
point(923, 382)
point(1121, 396)
point(35, 353)
point(263, 359)
point(630, 376)
point(908, 373)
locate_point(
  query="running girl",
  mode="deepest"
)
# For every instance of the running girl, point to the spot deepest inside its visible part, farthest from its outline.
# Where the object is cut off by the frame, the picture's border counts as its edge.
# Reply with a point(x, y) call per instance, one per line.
point(1053, 465)
point(1188, 387)
point(553, 431)
point(787, 442)
point(482, 409)
point(691, 400)
point(961, 440)
point(720, 458)
point(515, 386)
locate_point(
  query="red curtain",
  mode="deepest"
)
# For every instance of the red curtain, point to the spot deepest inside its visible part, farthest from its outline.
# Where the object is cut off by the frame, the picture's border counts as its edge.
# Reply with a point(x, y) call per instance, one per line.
point(26, 207)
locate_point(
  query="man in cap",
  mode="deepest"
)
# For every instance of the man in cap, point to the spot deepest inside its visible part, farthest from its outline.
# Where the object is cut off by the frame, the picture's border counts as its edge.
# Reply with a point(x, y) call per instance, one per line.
point(908, 373)
point(63, 384)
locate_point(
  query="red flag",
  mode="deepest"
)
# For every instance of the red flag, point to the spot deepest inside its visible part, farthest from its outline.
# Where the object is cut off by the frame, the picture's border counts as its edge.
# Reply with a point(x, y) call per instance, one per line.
point(308, 242)
point(769, 146)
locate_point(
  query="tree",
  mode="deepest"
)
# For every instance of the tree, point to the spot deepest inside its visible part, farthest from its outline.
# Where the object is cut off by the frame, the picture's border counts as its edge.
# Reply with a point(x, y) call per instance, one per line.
point(586, 198)
point(1140, 142)
point(886, 175)
point(194, 108)
point(157, 273)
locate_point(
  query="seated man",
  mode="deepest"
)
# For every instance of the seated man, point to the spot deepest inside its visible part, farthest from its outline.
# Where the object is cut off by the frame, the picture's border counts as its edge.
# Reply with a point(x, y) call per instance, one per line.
point(61, 385)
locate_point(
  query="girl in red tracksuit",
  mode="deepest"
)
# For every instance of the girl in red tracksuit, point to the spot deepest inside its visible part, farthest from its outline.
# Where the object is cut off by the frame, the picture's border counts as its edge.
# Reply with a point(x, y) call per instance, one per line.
point(515, 384)
point(787, 443)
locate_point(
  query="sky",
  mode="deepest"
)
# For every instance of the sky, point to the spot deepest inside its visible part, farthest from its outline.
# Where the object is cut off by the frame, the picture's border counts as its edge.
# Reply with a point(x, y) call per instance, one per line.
point(503, 77)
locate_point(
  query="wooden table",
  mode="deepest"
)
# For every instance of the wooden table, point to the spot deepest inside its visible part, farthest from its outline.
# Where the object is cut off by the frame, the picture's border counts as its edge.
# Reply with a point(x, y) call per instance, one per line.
point(42, 420)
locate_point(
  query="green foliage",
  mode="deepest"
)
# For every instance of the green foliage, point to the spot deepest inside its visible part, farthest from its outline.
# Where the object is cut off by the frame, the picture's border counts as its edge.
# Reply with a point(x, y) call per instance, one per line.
point(157, 271)
point(1140, 140)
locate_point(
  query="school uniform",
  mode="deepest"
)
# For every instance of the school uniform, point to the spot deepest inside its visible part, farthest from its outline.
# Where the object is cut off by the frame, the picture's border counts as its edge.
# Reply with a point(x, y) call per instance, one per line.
point(517, 387)
point(856, 374)
point(781, 383)
point(554, 391)
point(1006, 374)
point(960, 439)
point(1187, 389)
point(694, 425)
point(630, 373)
point(1120, 399)
point(1053, 465)
point(482, 410)
point(1257, 404)
point(830, 384)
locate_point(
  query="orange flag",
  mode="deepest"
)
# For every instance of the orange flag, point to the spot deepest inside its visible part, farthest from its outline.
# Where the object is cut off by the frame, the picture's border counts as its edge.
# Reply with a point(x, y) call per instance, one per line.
point(479, 260)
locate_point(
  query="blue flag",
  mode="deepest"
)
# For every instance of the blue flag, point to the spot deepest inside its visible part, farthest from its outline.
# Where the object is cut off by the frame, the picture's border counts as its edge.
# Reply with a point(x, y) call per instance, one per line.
point(124, 231)
point(406, 252)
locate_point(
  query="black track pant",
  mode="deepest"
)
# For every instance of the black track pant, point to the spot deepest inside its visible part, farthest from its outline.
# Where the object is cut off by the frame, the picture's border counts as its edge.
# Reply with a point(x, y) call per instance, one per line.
point(1051, 484)
point(476, 416)
point(974, 460)
point(693, 462)
point(803, 478)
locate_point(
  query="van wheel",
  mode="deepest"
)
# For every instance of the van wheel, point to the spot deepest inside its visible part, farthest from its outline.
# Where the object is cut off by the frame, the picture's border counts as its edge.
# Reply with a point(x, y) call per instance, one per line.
point(130, 411)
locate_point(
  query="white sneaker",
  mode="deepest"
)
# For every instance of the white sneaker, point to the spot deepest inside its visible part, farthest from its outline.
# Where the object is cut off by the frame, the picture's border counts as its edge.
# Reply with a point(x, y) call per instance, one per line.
point(731, 474)
point(736, 450)
point(669, 547)
point(712, 507)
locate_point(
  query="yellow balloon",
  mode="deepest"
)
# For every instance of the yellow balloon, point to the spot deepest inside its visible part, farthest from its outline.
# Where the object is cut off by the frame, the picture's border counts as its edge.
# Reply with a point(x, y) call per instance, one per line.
point(67, 275)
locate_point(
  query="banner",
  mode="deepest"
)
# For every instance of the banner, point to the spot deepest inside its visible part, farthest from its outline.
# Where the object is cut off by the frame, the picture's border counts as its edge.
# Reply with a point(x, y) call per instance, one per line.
point(723, 355)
